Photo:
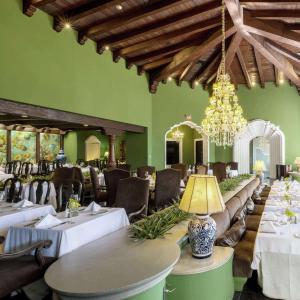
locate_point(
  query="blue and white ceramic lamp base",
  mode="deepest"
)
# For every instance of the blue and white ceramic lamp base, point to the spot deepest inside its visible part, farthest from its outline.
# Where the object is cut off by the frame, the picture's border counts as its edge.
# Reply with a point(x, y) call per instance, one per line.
point(202, 233)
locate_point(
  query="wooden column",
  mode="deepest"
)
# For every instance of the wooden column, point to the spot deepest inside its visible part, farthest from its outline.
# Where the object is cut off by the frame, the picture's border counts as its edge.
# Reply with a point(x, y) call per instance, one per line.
point(112, 154)
point(112, 134)
point(8, 145)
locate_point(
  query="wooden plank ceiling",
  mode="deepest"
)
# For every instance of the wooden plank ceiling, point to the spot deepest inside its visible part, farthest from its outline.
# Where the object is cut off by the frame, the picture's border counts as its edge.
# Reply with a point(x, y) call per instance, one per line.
point(180, 39)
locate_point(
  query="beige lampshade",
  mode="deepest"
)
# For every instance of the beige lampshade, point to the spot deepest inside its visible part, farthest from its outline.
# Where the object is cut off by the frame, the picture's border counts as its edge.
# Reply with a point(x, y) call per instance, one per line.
point(297, 161)
point(259, 166)
point(202, 196)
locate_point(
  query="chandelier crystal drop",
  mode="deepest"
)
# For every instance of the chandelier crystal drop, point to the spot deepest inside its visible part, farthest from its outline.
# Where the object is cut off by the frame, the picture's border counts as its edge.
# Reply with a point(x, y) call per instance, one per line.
point(224, 116)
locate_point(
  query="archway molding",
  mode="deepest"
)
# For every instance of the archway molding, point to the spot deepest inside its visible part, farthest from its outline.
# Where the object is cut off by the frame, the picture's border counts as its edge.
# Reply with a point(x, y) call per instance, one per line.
point(198, 128)
point(259, 128)
point(92, 148)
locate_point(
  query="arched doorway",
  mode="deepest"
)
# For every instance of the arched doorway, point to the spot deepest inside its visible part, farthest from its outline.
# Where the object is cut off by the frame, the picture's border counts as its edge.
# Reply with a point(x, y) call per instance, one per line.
point(197, 143)
point(266, 130)
point(92, 148)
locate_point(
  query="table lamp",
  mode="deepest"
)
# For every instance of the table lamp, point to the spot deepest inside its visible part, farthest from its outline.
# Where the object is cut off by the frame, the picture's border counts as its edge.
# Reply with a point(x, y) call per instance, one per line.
point(202, 197)
point(297, 163)
point(259, 168)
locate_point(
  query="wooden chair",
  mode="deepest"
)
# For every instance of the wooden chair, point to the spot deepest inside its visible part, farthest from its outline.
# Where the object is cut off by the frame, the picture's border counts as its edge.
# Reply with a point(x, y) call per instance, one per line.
point(100, 196)
point(201, 169)
point(283, 171)
point(132, 195)
point(81, 162)
point(125, 167)
point(182, 168)
point(13, 189)
point(219, 170)
point(26, 169)
point(56, 164)
point(20, 268)
point(167, 187)
point(112, 178)
point(141, 171)
point(233, 165)
point(43, 167)
point(9, 167)
point(41, 197)
point(63, 175)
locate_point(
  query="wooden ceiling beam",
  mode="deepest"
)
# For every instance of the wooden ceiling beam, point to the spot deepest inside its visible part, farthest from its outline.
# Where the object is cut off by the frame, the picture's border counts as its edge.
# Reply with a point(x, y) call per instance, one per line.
point(259, 68)
point(293, 26)
point(274, 30)
point(244, 68)
point(157, 63)
point(275, 58)
point(233, 47)
point(165, 38)
point(275, 13)
point(30, 6)
point(136, 15)
point(192, 54)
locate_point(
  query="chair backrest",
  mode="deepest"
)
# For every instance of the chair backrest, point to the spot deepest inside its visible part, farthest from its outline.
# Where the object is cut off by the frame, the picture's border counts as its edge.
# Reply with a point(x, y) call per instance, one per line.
point(9, 166)
point(141, 171)
point(13, 189)
point(233, 165)
point(39, 191)
point(125, 167)
point(92, 163)
point(95, 182)
point(26, 169)
point(78, 175)
point(63, 175)
point(112, 178)
point(182, 168)
point(57, 164)
point(167, 187)
point(17, 167)
point(103, 164)
point(282, 171)
point(64, 192)
point(81, 162)
point(132, 195)
point(219, 170)
point(43, 167)
point(201, 169)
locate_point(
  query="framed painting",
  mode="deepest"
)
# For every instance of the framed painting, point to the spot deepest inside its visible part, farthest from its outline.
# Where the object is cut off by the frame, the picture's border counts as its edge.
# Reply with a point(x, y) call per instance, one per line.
point(23, 146)
point(49, 146)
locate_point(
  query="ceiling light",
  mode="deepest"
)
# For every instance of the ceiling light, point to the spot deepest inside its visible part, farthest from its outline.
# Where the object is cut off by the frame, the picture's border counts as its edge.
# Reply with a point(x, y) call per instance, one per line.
point(85, 125)
point(24, 116)
point(119, 7)
point(170, 78)
point(253, 83)
point(281, 81)
point(106, 47)
point(68, 25)
point(196, 82)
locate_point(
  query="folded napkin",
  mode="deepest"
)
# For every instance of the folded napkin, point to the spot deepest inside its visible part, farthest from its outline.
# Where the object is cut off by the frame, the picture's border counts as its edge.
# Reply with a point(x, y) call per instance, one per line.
point(93, 207)
point(47, 221)
point(269, 216)
point(23, 203)
point(268, 227)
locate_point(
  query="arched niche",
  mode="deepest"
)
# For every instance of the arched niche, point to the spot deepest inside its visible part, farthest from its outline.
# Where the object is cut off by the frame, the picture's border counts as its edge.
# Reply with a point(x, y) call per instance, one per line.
point(259, 128)
point(199, 130)
point(92, 148)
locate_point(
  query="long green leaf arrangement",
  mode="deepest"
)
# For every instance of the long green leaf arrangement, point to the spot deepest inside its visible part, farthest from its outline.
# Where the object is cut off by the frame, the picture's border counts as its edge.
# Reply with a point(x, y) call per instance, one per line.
point(159, 223)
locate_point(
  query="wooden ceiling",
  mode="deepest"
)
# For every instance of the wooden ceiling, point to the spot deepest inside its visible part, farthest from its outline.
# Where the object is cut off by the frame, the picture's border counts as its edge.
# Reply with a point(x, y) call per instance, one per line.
point(181, 39)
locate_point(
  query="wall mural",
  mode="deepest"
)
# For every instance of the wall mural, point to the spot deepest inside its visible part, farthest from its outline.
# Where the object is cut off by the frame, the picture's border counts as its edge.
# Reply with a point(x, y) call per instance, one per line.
point(23, 146)
point(3, 146)
point(50, 146)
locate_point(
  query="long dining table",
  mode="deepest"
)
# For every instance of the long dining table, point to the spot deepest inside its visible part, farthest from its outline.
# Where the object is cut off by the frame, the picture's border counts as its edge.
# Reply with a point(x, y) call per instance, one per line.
point(277, 247)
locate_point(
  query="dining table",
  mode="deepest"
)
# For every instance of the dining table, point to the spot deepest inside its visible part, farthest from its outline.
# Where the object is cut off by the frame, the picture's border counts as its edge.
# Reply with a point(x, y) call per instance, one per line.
point(10, 215)
point(277, 247)
point(70, 234)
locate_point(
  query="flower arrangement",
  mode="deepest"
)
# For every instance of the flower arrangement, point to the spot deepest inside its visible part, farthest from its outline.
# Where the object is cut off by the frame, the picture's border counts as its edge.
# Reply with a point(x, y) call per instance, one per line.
point(73, 204)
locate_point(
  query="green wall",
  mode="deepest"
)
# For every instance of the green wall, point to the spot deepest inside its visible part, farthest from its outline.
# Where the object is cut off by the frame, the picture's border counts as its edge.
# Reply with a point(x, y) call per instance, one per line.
point(43, 67)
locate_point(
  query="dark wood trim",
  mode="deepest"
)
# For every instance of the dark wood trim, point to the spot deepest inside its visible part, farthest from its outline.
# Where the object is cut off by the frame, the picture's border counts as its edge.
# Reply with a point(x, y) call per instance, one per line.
point(62, 142)
point(14, 107)
point(38, 147)
point(8, 145)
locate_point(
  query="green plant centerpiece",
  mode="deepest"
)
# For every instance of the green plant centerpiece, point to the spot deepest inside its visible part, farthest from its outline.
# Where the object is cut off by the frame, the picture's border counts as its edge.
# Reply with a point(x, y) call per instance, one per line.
point(231, 184)
point(73, 206)
point(288, 198)
point(158, 224)
point(291, 215)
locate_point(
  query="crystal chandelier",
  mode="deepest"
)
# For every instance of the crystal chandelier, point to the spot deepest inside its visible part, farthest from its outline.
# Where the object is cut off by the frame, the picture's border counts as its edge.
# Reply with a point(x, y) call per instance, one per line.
point(177, 134)
point(224, 116)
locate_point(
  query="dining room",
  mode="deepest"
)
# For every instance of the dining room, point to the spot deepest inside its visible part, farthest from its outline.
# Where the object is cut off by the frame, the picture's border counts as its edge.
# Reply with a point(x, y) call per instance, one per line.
point(149, 150)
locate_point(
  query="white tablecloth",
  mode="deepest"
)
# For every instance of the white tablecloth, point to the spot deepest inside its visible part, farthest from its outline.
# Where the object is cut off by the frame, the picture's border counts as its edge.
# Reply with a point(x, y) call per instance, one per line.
point(10, 216)
point(4, 176)
point(83, 229)
point(52, 193)
point(277, 255)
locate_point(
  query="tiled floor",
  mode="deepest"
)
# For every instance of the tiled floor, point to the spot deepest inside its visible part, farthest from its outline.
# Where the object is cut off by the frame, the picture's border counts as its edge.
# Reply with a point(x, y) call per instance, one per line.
point(251, 291)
